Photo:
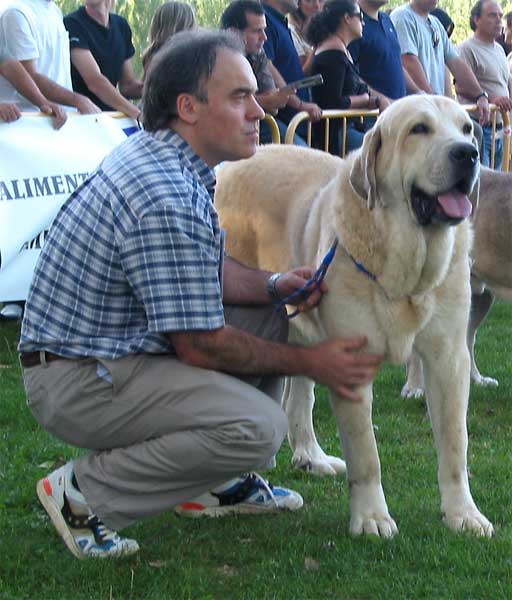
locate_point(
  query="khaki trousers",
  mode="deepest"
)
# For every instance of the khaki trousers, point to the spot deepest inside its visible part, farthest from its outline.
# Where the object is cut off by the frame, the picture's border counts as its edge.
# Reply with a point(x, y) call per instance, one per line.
point(162, 432)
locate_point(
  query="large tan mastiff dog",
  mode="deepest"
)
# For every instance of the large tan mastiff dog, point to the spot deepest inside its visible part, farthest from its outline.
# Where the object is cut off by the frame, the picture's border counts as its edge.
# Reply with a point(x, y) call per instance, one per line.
point(400, 276)
point(491, 268)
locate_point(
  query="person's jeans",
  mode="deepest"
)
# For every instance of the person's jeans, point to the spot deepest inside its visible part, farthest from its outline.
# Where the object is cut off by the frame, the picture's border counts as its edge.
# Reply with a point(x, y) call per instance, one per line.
point(266, 133)
point(498, 149)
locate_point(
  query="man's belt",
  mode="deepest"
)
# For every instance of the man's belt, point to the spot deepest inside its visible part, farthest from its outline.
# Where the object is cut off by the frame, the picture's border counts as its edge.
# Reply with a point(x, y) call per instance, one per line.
point(33, 359)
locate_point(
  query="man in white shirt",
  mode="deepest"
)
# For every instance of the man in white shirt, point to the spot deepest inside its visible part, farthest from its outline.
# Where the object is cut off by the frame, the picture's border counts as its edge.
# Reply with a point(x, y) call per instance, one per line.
point(32, 32)
point(486, 59)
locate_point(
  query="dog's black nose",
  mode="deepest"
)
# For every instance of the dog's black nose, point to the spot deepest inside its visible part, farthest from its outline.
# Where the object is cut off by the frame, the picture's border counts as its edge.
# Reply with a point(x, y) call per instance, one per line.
point(464, 154)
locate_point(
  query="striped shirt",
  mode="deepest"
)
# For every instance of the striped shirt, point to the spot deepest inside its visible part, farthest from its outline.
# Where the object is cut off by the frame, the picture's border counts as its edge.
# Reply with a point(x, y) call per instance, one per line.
point(134, 252)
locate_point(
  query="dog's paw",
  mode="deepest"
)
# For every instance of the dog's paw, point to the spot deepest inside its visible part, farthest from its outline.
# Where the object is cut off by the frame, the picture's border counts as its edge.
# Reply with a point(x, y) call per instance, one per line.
point(412, 392)
point(472, 520)
point(318, 463)
point(382, 525)
point(484, 381)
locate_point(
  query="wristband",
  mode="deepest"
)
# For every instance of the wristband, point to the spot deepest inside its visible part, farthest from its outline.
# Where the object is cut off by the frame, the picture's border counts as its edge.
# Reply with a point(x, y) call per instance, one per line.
point(271, 287)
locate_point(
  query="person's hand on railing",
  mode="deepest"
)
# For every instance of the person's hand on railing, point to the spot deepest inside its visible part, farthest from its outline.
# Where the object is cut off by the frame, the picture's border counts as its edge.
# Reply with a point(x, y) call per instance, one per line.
point(484, 112)
point(85, 106)
point(313, 110)
point(9, 112)
point(503, 102)
point(56, 111)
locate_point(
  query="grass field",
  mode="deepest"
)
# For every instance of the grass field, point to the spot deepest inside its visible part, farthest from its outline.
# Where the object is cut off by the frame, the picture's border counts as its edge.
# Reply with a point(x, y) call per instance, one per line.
point(308, 555)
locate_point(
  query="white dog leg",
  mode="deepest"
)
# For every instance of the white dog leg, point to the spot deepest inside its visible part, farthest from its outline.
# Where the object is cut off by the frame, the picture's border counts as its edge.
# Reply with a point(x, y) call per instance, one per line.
point(414, 386)
point(368, 509)
point(298, 402)
point(447, 391)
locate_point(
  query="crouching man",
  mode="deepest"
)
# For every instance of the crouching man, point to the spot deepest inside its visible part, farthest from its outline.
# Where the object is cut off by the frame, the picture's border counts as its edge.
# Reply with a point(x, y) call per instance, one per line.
point(142, 344)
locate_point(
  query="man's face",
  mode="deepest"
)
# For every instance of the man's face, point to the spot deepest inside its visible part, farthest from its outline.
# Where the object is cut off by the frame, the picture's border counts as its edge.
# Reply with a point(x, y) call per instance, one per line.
point(254, 34)
point(424, 6)
point(287, 6)
point(488, 24)
point(226, 123)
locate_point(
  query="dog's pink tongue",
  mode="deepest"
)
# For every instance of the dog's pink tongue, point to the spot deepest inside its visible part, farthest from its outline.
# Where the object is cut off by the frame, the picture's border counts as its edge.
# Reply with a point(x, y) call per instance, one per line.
point(455, 204)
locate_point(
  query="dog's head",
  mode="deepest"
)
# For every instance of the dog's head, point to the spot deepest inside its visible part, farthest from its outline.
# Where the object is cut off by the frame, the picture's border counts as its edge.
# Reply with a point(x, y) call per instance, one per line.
point(421, 149)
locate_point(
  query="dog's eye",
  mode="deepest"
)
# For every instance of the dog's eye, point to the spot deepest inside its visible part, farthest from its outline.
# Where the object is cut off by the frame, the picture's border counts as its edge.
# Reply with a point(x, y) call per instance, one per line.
point(467, 129)
point(420, 128)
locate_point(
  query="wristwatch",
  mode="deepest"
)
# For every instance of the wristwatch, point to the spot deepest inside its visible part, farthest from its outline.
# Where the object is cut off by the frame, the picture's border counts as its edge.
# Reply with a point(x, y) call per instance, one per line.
point(271, 287)
point(482, 94)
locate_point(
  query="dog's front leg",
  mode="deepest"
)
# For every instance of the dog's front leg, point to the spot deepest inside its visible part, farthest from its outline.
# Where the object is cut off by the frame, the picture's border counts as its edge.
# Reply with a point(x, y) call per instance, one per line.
point(368, 509)
point(446, 375)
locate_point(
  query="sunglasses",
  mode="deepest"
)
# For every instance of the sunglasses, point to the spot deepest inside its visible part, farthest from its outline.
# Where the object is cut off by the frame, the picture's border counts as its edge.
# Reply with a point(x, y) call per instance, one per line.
point(434, 33)
point(358, 14)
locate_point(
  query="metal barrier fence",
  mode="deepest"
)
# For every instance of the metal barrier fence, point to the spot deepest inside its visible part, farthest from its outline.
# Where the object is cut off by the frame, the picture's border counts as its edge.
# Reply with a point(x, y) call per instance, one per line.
point(344, 115)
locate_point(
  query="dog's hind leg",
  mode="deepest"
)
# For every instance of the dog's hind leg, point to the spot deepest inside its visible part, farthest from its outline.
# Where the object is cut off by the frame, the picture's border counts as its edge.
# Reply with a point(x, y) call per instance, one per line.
point(414, 386)
point(298, 402)
point(481, 303)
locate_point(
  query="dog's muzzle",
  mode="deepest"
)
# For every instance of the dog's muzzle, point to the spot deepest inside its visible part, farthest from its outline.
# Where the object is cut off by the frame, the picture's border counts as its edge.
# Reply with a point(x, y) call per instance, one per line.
point(452, 206)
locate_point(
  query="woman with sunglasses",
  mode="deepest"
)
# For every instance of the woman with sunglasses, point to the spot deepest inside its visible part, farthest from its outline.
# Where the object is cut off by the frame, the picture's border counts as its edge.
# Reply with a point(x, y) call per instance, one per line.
point(331, 31)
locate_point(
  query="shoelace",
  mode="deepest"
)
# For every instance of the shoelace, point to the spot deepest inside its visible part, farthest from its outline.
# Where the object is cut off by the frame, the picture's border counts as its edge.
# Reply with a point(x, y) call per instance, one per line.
point(101, 531)
point(266, 486)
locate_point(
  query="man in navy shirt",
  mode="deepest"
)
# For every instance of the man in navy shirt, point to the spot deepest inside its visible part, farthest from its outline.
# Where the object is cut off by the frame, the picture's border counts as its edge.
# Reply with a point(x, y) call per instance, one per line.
point(284, 62)
point(378, 53)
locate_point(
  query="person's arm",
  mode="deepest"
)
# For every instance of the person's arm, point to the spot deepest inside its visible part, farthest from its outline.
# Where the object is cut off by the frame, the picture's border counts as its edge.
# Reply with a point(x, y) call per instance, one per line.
point(56, 93)
point(337, 363)
point(314, 111)
point(273, 100)
point(448, 90)
point(129, 85)
point(414, 68)
point(98, 84)
point(466, 84)
point(18, 77)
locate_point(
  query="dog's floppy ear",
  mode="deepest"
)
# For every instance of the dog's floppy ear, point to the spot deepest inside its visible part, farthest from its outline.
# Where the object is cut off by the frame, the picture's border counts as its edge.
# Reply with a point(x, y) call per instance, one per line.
point(363, 178)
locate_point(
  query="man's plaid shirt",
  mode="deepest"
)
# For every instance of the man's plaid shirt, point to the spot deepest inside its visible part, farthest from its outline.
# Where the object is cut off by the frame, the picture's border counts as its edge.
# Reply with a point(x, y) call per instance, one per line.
point(133, 253)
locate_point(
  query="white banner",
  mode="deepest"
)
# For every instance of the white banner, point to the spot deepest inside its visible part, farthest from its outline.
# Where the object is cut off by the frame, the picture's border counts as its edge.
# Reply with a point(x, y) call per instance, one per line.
point(40, 167)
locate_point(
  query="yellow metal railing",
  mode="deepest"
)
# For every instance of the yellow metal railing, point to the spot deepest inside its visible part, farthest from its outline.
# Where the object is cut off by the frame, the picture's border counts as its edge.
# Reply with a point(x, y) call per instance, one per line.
point(344, 115)
point(271, 122)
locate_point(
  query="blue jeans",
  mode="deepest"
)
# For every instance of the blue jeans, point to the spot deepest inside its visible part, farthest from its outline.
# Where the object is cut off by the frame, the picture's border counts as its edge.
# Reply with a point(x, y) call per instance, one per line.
point(266, 133)
point(498, 149)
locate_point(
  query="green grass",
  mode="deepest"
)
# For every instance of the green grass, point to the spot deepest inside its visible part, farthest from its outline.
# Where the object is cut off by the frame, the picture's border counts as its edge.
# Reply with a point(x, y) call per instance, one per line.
point(308, 555)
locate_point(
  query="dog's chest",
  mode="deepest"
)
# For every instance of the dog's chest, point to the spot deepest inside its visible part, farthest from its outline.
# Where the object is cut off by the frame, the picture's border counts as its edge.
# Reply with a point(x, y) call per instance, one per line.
point(400, 321)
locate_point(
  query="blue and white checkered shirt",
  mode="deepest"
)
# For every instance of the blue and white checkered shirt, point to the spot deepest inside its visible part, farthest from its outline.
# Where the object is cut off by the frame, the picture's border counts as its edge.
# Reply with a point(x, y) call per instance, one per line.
point(135, 251)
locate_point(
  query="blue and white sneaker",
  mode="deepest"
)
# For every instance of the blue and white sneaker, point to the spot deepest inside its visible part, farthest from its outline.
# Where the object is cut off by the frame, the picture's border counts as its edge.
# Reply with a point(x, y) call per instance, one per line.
point(83, 533)
point(247, 494)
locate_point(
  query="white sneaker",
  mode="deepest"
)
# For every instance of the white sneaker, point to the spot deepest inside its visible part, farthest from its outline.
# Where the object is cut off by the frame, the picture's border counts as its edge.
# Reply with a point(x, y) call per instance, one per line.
point(83, 533)
point(248, 494)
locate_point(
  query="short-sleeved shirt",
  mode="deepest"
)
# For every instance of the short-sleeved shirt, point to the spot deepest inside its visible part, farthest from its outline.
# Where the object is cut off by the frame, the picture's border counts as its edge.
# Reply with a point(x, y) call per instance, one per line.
point(489, 65)
point(280, 49)
point(110, 47)
point(417, 36)
point(33, 30)
point(135, 252)
point(259, 65)
point(378, 57)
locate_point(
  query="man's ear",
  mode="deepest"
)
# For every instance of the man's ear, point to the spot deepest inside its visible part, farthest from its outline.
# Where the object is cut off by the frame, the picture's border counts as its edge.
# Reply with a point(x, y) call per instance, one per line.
point(187, 108)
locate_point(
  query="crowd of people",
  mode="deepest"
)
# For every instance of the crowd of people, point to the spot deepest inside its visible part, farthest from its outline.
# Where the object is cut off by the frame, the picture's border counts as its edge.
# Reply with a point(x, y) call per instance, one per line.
point(164, 357)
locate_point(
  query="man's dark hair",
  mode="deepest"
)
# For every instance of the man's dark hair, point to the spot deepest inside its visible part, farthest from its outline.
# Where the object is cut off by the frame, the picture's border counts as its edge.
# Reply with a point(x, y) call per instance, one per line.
point(182, 66)
point(476, 12)
point(235, 15)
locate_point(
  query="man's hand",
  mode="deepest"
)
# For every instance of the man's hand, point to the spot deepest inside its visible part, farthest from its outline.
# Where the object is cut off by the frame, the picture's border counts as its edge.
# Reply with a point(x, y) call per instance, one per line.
point(85, 106)
point(484, 112)
point(273, 100)
point(341, 365)
point(9, 112)
point(503, 102)
point(313, 110)
point(56, 111)
point(296, 279)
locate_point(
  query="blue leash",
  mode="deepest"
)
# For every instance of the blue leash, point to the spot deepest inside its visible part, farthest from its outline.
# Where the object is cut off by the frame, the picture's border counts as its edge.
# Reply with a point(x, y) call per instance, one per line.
point(312, 284)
